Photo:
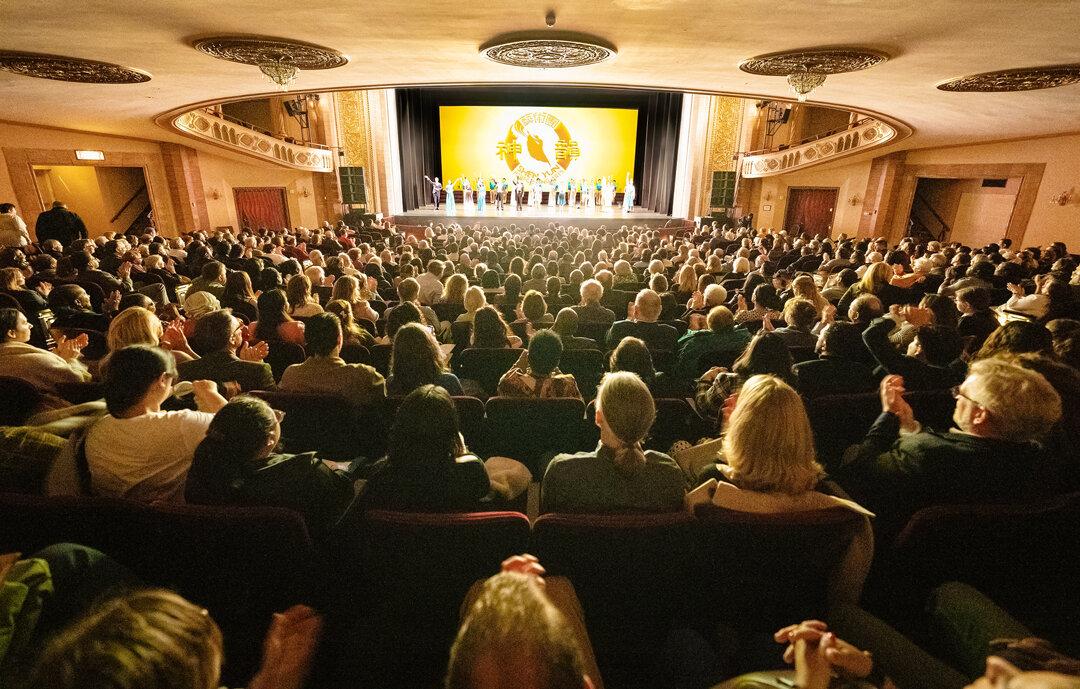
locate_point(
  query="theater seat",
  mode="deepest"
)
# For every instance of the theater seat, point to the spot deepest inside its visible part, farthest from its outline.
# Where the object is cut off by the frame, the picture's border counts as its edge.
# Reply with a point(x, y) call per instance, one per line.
point(18, 401)
point(470, 419)
point(676, 419)
point(631, 573)
point(587, 367)
point(242, 564)
point(328, 424)
point(529, 429)
point(597, 332)
point(485, 366)
point(404, 577)
point(461, 334)
point(282, 355)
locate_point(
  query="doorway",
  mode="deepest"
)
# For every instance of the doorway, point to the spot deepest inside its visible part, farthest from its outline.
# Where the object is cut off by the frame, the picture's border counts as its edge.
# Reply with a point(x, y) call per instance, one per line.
point(261, 207)
point(108, 199)
point(972, 211)
point(811, 210)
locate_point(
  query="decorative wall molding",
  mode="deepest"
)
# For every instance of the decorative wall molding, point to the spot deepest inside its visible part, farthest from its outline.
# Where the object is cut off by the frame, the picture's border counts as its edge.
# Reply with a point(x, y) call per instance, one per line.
point(870, 133)
point(202, 125)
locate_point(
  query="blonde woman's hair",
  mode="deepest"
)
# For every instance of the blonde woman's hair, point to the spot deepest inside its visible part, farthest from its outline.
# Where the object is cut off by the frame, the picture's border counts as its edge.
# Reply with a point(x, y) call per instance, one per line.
point(474, 299)
point(455, 288)
point(805, 287)
point(876, 276)
point(134, 325)
point(768, 442)
point(628, 410)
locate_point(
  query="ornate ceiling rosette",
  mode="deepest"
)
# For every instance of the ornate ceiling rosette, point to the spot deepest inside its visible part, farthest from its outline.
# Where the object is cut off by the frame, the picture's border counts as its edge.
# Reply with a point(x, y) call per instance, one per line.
point(257, 51)
point(1008, 80)
point(75, 69)
point(814, 60)
point(547, 51)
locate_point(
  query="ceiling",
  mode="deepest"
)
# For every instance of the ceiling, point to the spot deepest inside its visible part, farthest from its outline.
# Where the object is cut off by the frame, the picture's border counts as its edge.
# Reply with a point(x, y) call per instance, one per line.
point(669, 44)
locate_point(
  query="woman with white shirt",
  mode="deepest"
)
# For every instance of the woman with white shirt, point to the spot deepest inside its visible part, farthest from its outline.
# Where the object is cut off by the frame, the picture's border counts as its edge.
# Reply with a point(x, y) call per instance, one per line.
point(1035, 305)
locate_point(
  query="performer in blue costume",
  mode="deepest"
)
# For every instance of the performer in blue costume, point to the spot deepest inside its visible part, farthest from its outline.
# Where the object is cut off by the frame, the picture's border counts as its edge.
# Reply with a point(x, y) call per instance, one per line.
point(450, 197)
point(481, 195)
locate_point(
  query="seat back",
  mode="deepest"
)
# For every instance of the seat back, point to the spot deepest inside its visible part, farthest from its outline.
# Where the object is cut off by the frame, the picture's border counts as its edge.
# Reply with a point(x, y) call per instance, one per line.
point(355, 354)
point(19, 399)
point(630, 573)
point(408, 574)
point(328, 424)
point(485, 366)
point(587, 366)
point(380, 358)
point(470, 419)
point(724, 358)
point(597, 332)
point(529, 429)
point(282, 355)
point(461, 333)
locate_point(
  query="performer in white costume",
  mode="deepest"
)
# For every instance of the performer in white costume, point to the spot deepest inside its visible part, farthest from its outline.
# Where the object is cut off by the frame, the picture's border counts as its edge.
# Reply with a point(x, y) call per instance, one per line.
point(553, 196)
point(481, 195)
point(466, 193)
point(629, 192)
point(538, 194)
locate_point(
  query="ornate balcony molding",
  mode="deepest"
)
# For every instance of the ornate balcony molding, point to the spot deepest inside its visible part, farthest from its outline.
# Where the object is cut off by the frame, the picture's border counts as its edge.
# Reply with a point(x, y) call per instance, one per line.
point(870, 133)
point(205, 126)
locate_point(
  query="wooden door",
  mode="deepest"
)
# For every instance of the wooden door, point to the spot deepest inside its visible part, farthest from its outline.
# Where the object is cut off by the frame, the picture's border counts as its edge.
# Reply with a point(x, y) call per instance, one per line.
point(261, 207)
point(810, 210)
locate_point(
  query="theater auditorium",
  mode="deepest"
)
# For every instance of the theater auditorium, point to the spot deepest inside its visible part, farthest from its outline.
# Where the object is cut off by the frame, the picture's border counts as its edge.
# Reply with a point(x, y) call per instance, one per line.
point(624, 344)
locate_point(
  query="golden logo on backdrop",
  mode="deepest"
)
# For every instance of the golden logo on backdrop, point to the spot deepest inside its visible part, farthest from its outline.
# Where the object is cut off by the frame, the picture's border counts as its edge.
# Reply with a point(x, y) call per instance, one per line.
point(538, 147)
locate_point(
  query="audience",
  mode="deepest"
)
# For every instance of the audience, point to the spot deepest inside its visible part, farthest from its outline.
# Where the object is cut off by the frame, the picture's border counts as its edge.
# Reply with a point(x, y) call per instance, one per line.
point(226, 358)
point(766, 355)
point(45, 370)
point(418, 360)
point(326, 373)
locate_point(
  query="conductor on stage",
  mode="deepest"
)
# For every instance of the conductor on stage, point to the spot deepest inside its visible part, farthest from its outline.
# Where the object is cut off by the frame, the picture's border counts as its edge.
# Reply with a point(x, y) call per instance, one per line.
point(436, 190)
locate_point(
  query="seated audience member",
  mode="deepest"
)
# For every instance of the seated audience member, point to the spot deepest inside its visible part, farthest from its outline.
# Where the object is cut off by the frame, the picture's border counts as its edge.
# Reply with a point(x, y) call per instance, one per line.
point(1017, 337)
point(843, 281)
point(618, 476)
point(13, 284)
point(935, 361)
point(226, 358)
point(804, 287)
point(240, 297)
point(430, 283)
point(211, 279)
point(765, 302)
point(534, 311)
point(237, 463)
point(641, 323)
point(719, 335)
point(71, 306)
point(195, 306)
point(565, 326)
point(351, 333)
point(164, 269)
point(537, 279)
point(634, 357)
point(762, 471)
point(275, 323)
point(301, 302)
point(490, 331)
point(590, 310)
point(799, 315)
point(536, 373)
point(428, 466)
point(1065, 336)
point(765, 355)
point(837, 370)
point(154, 639)
point(325, 372)
point(1039, 304)
point(521, 630)
point(139, 326)
point(418, 360)
point(453, 295)
point(942, 311)
point(977, 320)
point(1060, 471)
point(1001, 410)
point(347, 288)
point(408, 293)
point(703, 301)
point(139, 451)
point(875, 281)
point(41, 368)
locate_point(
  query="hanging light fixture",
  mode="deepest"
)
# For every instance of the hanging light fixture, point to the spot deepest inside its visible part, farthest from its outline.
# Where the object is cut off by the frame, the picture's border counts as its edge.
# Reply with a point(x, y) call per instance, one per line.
point(803, 81)
point(279, 72)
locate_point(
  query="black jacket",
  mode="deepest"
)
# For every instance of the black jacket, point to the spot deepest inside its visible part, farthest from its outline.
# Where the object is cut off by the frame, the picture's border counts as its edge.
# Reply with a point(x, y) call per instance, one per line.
point(918, 374)
point(833, 376)
point(60, 224)
point(222, 367)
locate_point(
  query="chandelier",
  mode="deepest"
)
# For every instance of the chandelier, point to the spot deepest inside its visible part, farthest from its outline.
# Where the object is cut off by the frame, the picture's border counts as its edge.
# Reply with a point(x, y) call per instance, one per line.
point(803, 81)
point(281, 73)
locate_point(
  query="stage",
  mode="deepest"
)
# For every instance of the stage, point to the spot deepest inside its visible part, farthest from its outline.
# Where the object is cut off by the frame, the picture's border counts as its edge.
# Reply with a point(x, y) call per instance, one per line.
point(590, 217)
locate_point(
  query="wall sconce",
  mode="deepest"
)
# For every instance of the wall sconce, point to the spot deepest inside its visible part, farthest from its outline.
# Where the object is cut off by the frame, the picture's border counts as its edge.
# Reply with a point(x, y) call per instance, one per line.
point(1061, 199)
point(854, 200)
point(214, 194)
point(768, 196)
point(304, 192)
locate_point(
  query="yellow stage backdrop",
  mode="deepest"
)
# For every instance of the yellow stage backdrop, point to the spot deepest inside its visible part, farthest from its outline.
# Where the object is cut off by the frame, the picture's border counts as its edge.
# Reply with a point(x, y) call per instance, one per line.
point(537, 143)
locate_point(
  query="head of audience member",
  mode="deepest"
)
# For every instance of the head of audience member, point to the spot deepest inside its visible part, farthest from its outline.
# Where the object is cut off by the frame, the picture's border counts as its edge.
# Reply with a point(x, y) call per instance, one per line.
point(566, 323)
point(512, 288)
point(971, 300)
point(800, 314)
point(490, 279)
point(489, 329)
point(533, 306)
point(347, 288)
point(474, 299)
point(715, 295)
point(67, 298)
point(633, 356)
point(545, 350)
point(198, 303)
point(150, 639)
point(591, 292)
point(999, 399)
point(426, 434)
point(136, 380)
point(625, 412)
point(513, 636)
point(760, 458)
point(765, 355)
point(322, 335)
point(944, 309)
point(416, 358)
point(740, 265)
point(12, 279)
point(864, 309)
point(1065, 335)
point(273, 312)
point(686, 279)
point(1027, 664)
point(840, 340)
point(405, 312)
point(217, 331)
point(134, 326)
point(875, 277)
point(454, 289)
point(939, 345)
point(238, 287)
point(647, 306)
point(214, 271)
point(1017, 337)
point(13, 326)
point(298, 291)
point(804, 287)
point(241, 435)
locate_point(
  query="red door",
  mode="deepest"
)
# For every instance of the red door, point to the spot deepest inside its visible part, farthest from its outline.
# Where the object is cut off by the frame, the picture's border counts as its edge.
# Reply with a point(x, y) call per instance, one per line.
point(810, 210)
point(262, 207)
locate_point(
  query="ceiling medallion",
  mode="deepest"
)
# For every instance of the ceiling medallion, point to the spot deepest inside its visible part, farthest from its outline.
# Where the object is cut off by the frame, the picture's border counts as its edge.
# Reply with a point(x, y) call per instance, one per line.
point(806, 69)
point(1007, 80)
point(547, 51)
point(69, 69)
point(279, 59)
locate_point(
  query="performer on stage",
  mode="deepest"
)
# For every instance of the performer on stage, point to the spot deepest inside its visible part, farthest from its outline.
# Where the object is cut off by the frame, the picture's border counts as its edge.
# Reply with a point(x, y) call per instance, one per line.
point(450, 203)
point(629, 192)
point(594, 193)
point(519, 193)
point(492, 188)
point(538, 194)
point(466, 193)
point(570, 195)
point(436, 189)
point(481, 195)
point(499, 189)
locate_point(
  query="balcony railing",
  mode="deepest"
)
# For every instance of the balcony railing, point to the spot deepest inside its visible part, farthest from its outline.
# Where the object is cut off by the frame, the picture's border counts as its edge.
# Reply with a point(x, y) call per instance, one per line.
point(865, 134)
point(245, 138)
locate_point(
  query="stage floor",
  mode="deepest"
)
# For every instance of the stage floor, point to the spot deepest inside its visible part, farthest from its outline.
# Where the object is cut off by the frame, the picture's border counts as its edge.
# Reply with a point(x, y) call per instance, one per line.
point(583, 217)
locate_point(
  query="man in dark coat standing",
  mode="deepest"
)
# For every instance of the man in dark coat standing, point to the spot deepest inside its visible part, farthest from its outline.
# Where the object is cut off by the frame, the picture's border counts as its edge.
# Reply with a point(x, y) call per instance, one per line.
point(60, 224)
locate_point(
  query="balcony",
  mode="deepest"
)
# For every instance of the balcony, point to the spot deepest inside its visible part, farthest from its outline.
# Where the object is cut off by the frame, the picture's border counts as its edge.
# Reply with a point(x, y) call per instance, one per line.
point(861, 136)
point(213, 127)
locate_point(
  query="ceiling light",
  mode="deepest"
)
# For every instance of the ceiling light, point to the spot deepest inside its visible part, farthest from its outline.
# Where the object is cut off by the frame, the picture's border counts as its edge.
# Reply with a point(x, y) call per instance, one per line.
point(89, 155)
point(803, 82)
point(280, 73)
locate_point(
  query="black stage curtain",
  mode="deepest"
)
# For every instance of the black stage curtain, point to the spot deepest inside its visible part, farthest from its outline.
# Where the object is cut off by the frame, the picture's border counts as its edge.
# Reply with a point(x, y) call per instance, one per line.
point(659, 115)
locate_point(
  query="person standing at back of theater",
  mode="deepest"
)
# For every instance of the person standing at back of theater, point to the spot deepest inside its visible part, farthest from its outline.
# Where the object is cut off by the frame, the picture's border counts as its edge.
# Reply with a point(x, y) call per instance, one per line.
point(60, 224)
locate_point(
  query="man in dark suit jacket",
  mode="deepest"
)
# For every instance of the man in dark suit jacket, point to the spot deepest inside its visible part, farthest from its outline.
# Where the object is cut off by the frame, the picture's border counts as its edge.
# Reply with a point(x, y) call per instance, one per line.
point(937, 366)
point(217, 336)
point(60, 224)
point(590, 310)
point(645, 311)
point(900, 468)
point(838, 370)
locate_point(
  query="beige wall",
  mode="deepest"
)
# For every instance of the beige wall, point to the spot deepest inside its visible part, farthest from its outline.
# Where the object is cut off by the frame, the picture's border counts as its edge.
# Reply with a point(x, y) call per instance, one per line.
point(849, 179)
point(222, 175)
point(95, 193)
